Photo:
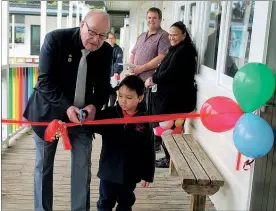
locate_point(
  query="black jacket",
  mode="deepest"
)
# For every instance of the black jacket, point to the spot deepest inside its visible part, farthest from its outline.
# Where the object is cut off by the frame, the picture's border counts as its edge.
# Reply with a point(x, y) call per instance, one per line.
point(176, 89)
point(117, 57)
point(127, 154)
point(58, 66)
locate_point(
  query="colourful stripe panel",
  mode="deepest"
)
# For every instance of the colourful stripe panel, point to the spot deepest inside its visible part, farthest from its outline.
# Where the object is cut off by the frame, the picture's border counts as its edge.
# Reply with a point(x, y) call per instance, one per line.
point(20, 86)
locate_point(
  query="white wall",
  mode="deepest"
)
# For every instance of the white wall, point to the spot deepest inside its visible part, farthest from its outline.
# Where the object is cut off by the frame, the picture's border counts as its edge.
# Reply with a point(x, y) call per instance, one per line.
point(167, 12)
point(24, 50)
point(133, 27)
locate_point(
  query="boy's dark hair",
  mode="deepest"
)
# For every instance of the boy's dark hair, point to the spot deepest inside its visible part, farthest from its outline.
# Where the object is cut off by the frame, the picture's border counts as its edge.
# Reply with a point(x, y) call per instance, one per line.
point(156, 10)
point(134, 83)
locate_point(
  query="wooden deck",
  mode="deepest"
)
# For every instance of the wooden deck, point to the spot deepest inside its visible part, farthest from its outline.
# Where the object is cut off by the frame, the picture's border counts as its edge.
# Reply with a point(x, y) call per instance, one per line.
point(17, 182)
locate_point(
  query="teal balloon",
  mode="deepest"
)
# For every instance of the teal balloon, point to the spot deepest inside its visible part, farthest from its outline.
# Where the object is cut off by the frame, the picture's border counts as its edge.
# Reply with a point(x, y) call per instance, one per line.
point(253, 86)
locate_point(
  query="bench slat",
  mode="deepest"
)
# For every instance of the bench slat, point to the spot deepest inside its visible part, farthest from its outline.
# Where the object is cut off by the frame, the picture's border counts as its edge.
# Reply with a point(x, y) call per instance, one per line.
point(199, 172)
point(210, 169)
point(180, 163)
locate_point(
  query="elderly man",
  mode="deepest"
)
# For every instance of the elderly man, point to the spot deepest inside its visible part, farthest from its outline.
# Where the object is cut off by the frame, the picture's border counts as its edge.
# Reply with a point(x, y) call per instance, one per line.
point(74, 74)
point(149, 51)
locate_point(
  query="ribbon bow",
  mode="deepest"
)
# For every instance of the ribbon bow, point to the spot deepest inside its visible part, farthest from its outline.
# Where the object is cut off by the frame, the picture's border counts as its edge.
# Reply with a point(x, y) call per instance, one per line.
point(55, 130)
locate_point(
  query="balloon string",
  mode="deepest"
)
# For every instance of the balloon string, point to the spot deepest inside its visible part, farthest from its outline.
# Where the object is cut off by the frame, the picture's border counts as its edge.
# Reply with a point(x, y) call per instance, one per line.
point(247, 164)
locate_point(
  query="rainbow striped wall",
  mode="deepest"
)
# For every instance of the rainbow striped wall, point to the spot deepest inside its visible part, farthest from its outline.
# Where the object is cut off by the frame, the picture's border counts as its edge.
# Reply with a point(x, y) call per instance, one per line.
point(21, 83)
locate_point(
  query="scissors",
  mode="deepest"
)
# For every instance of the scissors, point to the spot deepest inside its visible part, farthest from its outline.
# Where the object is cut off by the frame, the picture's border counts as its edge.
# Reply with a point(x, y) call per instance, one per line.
point(81, 115)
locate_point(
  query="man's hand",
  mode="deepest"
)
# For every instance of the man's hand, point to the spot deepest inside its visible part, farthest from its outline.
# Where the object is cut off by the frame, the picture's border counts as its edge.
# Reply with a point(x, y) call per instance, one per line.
point(148, 83)
point(73, 114)
point(91, 109)
point(144, 184)
point(138, 69)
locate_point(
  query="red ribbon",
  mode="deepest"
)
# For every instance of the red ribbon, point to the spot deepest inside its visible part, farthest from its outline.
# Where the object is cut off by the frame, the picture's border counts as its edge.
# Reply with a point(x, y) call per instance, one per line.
point(56, 128)
point(238, 164)
point(124, 120)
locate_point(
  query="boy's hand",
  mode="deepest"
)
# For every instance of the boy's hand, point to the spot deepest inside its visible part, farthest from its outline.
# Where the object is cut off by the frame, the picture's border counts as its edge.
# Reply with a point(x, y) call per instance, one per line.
point(144, 184)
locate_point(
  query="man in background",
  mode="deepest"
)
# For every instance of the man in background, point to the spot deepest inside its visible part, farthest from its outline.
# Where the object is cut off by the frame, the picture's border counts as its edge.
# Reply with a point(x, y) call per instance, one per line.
point(149, 51)
point(116, 69)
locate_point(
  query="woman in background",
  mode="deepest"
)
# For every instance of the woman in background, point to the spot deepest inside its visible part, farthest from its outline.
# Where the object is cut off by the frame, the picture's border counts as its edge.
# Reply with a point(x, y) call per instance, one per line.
point(173, 85)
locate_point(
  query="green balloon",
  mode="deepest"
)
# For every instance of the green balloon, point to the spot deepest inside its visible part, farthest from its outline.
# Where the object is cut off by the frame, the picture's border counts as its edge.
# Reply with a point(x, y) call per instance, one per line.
point(253, 86)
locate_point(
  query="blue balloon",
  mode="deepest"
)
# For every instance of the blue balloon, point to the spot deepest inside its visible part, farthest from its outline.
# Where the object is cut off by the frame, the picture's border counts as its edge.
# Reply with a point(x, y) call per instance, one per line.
point(253, 136)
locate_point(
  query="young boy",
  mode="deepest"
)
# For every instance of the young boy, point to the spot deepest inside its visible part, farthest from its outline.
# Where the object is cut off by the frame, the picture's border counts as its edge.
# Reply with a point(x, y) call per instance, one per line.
point(127, 155)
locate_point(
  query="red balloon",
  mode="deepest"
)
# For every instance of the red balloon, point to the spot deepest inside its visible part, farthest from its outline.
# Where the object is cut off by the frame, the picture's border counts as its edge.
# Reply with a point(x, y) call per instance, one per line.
point(220, 114)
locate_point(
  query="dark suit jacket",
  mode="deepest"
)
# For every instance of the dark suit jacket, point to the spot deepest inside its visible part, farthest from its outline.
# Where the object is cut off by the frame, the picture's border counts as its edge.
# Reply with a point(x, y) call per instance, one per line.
point(176, 88)
point(58, 66)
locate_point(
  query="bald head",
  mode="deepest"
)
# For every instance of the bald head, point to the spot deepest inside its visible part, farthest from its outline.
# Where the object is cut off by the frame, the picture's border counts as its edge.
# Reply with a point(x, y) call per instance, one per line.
point(94, 29)
point(97, 14)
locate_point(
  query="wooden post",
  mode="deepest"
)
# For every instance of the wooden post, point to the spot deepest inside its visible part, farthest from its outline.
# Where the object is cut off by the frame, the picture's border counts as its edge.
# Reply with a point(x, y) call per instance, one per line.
point(70, 20)
point(13, 36)
point(198, 202)
point(78, 14)
point(5, 62)
point(59, 15)
point(43, 21)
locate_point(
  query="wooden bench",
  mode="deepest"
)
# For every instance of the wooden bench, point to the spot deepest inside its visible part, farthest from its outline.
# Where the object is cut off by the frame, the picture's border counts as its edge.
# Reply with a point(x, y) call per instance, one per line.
point(199, 176)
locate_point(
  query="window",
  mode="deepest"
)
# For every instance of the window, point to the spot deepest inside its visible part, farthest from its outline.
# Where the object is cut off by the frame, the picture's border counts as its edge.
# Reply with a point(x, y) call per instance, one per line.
point(211, 52)
point(181, 12)
point(35, 40)
point(239, 36)
point(222, 32)
point(19, 29)
point(19, 34)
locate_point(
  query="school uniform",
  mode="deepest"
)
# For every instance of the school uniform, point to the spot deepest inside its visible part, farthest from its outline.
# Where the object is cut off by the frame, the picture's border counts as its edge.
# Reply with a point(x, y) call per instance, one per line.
point(127, 157)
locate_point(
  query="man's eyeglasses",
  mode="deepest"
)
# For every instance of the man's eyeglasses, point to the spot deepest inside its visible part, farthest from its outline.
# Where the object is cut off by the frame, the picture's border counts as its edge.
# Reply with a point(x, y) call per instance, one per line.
point(94, 34)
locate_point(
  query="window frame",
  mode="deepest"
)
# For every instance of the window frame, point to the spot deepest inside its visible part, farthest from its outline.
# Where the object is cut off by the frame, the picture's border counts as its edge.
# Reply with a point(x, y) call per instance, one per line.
point(177, 9)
